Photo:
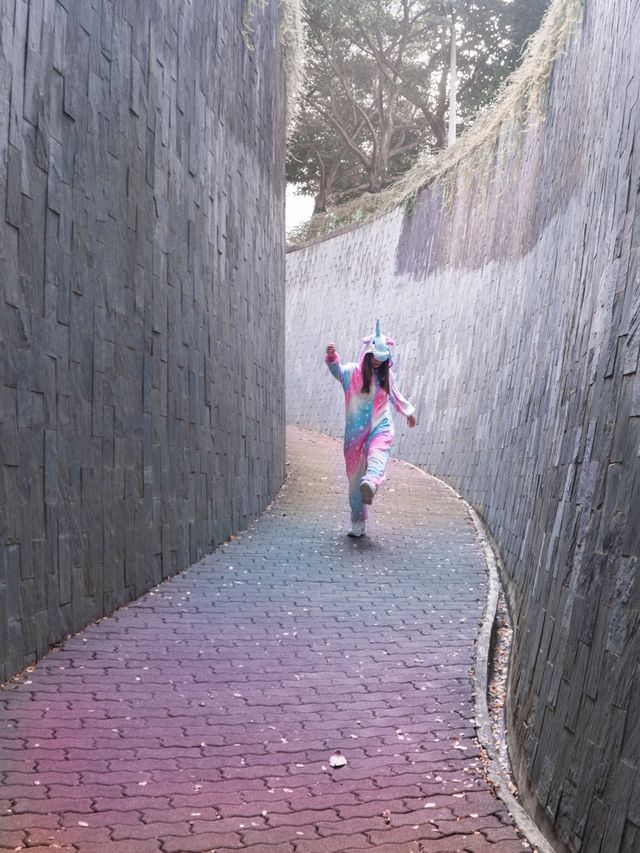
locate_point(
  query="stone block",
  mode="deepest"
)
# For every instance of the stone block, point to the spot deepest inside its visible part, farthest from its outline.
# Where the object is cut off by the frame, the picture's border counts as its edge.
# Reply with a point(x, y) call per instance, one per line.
point(102, 281)
point(13, 167)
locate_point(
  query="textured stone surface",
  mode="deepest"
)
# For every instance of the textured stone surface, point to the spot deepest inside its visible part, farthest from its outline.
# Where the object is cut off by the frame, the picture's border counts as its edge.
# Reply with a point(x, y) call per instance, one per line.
point(141, 299)
point(203, 716)
point(517, 309)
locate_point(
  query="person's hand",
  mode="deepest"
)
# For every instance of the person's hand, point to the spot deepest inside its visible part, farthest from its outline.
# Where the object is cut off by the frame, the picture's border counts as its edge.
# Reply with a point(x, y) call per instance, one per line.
point(411, 420)
point(331, 351)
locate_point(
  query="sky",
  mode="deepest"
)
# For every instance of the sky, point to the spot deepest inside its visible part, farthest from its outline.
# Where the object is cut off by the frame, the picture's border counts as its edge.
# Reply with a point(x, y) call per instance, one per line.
point(298, 207)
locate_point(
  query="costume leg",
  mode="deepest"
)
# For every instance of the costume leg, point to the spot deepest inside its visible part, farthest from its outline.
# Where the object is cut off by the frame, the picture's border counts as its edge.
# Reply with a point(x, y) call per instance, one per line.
point(377, 453)
point(356, 468)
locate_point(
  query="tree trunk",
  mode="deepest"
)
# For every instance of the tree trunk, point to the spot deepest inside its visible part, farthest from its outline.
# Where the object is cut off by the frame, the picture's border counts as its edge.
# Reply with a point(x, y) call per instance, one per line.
point(439, 131)
point(376, 182)
point(320, 201)
point(380, 162)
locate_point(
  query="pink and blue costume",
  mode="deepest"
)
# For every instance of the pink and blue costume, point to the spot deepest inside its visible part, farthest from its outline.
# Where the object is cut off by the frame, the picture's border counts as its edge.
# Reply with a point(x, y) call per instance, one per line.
point(369, 430)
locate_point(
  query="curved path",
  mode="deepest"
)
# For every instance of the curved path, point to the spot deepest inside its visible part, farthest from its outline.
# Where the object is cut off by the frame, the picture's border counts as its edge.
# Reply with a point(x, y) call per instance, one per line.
point(203, 716)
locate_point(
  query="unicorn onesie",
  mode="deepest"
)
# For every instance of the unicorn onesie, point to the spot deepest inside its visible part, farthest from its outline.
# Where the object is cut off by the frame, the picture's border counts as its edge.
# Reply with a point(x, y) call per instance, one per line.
point(369, 430)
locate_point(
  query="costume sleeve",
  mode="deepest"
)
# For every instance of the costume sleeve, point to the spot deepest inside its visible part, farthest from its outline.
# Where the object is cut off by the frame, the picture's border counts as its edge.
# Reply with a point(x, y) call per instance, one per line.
point(341, 372)
point(399, 403)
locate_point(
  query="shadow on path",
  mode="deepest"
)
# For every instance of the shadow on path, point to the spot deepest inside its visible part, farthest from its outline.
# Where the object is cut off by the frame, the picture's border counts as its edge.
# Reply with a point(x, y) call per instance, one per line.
point(203, 717)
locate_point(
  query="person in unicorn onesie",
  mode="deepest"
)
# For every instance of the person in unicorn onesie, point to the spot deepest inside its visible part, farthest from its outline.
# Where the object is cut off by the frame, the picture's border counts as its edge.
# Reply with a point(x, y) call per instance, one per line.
point(370, 391)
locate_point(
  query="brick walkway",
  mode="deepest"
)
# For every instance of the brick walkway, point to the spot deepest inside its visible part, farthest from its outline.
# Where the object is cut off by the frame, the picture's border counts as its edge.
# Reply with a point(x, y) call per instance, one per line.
point(203, 716)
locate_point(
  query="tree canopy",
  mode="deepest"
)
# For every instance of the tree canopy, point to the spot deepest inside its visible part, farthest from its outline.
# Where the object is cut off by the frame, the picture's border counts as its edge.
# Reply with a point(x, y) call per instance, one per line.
point(377, 84)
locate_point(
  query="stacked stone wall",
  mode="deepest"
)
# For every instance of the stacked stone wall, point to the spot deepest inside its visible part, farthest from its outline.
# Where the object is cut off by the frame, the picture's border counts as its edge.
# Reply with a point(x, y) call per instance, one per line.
point(141, 298)
point(516, 309)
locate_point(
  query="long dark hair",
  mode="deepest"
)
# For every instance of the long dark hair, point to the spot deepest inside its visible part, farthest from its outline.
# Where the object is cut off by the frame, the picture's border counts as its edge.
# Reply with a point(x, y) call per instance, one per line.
point(367, 373)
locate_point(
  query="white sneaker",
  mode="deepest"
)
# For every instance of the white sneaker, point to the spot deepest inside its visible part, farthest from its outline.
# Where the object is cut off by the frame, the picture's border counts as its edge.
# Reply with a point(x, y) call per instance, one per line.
point(368, 491)
point(357, 529)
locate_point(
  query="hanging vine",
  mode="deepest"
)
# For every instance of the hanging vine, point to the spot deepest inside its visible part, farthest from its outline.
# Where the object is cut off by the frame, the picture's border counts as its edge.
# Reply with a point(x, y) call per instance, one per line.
point(292, 38)
point(496, 133)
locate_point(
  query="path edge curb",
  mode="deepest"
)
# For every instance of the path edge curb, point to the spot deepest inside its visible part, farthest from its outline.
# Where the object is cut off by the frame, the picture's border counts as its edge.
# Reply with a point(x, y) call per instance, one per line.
point(521, 818)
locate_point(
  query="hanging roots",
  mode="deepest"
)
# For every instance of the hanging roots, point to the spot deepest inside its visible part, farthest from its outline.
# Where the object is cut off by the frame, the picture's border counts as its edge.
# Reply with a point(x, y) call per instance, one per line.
point(520, 102)
point(292, 37)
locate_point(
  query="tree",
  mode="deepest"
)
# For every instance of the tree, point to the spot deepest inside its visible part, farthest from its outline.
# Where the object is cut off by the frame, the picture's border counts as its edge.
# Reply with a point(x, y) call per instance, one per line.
point(378, 84)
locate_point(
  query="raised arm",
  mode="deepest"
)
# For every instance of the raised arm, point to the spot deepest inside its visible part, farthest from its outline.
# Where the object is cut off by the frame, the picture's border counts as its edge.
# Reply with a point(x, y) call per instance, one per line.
point(401, 404)
point(339, 371)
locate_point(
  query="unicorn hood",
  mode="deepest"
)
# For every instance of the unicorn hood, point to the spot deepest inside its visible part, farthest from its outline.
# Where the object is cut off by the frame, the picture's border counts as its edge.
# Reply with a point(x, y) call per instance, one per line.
point(379, 345)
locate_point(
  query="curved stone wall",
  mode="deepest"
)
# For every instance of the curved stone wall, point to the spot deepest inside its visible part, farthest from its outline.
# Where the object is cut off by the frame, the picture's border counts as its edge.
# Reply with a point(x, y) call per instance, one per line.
point(141, 298)
point(517, 314)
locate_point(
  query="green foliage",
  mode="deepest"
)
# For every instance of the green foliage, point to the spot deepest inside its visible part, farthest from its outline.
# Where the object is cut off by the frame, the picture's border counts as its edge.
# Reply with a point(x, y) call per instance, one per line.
point(495, 135)
point(376, 90)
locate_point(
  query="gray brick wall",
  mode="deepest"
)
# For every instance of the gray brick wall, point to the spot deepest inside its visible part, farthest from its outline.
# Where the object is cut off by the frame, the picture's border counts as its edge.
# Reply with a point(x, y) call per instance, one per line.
point(517, 315)
point(141, 298)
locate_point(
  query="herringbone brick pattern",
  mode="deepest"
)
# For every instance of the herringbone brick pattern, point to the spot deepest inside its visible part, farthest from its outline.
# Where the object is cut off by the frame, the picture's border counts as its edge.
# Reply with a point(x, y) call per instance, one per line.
point(203, 717)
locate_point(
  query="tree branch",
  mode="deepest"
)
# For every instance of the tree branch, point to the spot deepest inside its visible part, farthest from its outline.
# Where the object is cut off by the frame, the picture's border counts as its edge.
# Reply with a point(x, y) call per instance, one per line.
point(350, 142)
